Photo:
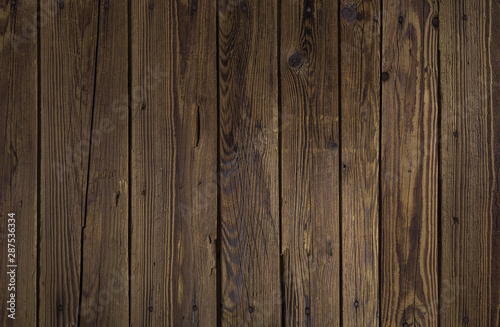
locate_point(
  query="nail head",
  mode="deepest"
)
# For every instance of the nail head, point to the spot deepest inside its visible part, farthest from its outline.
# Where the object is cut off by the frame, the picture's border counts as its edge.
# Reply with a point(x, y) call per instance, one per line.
point(308, 311)
point(466, 319)
point(151, 6)
point(435, 22)
point(150, 309)
point(60, 308)
point(250, 309)
point(308, 9)
point(195, 308)
point(244, 7)
point(464, 17)
point(356, 303)
point(401, 19)
point(194, 7)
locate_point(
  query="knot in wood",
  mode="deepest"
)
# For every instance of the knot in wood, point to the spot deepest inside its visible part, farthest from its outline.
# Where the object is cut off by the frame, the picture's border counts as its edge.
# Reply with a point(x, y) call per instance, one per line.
point(349, 14)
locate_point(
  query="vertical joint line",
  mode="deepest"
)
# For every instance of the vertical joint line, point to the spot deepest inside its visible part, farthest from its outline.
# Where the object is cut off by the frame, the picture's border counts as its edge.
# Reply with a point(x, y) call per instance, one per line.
point(339, 163)
point(218, 244)
point(380, 223)
point(129, 89)
point(280, 170)
point(39, 163)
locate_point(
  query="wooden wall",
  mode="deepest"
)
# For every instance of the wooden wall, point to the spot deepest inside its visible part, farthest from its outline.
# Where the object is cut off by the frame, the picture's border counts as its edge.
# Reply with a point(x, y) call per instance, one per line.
point(251, 162)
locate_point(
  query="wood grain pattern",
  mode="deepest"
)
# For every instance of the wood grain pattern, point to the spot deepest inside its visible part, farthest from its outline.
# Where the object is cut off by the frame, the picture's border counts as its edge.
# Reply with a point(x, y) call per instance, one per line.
point(18, 156)
point(409, 164)
point(360, 136)
point(67, 69)
point(174, 160)
point(104, 300)
point(495, 94)
point(310, 163)
point(467, 160)
point(248, 130)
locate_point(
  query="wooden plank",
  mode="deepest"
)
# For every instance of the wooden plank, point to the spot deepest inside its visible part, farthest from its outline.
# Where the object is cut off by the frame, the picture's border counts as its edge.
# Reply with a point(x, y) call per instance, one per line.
point(67, 69)
point(495, 94)
point(18, 159)
point(409, 164)
point(104, 300)
point(310, 163)
point(467, 160)
point(360, 117)
point(249, 181)
point(174, 163)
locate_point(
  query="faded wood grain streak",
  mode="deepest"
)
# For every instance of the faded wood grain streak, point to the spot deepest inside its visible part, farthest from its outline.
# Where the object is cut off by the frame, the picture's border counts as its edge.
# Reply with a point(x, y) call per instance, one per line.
point(67, 67)
point(18, 157)
point(409, 164)
point(360, 130)
point(174, 160)
point(104, 300)
point(310, 163)
point(248, 130)
point(467, 160)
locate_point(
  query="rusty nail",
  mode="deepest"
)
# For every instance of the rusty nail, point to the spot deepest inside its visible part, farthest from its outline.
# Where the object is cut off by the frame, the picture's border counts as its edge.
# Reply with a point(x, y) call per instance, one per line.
point(466, 319)
point(60, 308)
point(464, 17)
point(61, 5)
point(385, 76)
point(151, 6)
point(295, 60)
point(150, 309)
point(435, 22)
point(250, 309)
point(401, 19)
point(195, 308)
point(349, 14)
point(194, 7)
point(308, 311)
point(356, 303)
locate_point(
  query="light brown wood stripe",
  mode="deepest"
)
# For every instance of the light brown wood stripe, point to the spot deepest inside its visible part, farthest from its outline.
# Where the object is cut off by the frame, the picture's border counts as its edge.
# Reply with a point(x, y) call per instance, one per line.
point(310, 163)
point(467, 161)
point(174, 154)
point(409, 164)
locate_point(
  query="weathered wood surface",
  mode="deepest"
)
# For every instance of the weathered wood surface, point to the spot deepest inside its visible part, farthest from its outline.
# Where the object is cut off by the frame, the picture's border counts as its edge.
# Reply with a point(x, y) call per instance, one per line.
point(467, 161)
point(251, 163)
point(360, 146)
point(409, 164)
point(309, 125)
point(173, 168)
point(18, 157)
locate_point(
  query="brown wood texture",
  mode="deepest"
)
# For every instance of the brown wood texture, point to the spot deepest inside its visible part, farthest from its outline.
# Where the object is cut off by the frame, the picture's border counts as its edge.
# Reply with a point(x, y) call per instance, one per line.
point(248, 150)
point(251, 162)
point(360, 135)
point(467, 161)
point(310, 163)
point(409, 164)
point(18, 158)
point(174, 164)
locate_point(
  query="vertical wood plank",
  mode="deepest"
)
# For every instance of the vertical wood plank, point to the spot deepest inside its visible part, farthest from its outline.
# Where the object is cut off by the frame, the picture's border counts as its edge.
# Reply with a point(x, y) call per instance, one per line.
point(495, 94)
point(248, 117)
point(360, 130)
point(409, 163)
point(174, 163)
point(18, 158)
point(467, 160)
point(310, 163)
point(68, 43)
point(104, 300)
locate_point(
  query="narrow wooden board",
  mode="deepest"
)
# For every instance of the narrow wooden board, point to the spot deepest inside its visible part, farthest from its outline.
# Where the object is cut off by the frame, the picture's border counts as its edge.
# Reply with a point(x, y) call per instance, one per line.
point(67, 74)
point(467, 161)
point(310, 163)
point(18, 158)
point(409, 163)
point(174, 163)
point(249, 180)
point(495, 94)
point(360, 135)
point(105, 282)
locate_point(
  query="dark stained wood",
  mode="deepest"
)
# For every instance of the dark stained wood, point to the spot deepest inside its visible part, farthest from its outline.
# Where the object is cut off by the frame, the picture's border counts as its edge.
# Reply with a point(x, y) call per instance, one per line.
point(310, 163)
point(67, 68)
point(495, 97)
point(18, 156)
point(104, 300)
point(467, 160)
point(174, 162)
point(409, 164)
point(360, 130)
point(249, 183)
